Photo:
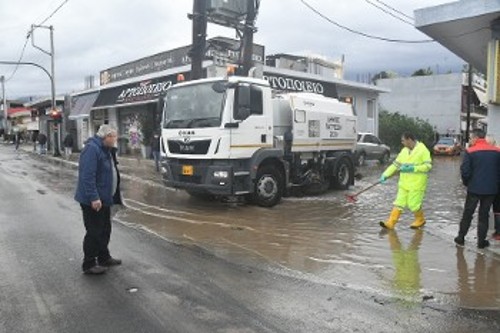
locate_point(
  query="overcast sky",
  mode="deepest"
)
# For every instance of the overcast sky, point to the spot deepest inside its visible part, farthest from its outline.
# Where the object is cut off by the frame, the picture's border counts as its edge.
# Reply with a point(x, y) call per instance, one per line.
point(91, 35)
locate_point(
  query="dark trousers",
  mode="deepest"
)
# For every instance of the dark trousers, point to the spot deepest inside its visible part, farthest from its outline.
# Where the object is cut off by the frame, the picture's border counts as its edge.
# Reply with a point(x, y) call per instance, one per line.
point(471, 202)
point(496, 211)
point(96, 240)
point(156, 156)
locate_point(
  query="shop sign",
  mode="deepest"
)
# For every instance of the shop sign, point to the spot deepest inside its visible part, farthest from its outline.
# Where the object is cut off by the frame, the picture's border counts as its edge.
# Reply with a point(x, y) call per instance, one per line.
point(143, 91)
point(217, 48)
point(297, 84)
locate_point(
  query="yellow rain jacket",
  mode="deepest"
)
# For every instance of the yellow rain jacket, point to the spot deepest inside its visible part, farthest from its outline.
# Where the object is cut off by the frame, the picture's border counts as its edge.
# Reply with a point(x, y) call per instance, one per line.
point(420, 158)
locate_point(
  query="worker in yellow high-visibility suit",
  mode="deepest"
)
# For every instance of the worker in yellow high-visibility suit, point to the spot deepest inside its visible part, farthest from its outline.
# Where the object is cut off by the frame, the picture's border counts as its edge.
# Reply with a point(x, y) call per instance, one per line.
point(413, 162)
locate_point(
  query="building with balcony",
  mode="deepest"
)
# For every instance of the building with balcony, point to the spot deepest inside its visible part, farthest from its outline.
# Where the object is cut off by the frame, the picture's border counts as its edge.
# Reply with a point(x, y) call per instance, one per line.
point(442, 100)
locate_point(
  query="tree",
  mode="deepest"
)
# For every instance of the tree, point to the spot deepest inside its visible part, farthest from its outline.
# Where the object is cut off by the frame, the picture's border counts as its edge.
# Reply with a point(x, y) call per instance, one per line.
point(423, 72)
point(392, 125)
point(384, 75)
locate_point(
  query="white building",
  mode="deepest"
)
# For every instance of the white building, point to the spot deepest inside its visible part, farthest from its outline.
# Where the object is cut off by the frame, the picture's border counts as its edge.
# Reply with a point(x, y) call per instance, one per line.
point(468, 28)
point(439, 99)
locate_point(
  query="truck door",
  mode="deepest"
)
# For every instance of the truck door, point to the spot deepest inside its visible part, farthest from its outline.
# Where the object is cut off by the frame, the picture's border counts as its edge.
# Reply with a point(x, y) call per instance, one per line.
point(251, 129)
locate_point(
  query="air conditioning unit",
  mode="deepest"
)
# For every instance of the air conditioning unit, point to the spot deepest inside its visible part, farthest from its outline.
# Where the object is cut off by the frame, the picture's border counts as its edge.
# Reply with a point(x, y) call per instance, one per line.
point(227, 10)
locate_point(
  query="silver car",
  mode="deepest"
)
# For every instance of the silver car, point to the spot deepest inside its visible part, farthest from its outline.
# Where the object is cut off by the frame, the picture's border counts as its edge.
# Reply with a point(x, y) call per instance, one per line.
point(369, 147)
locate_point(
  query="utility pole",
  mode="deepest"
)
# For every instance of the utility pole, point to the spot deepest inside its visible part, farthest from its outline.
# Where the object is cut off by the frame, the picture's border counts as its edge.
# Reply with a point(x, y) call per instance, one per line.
point(4, 103)
point(197, 52)
point(247, 42)
point(51, 53)
point(469, 103)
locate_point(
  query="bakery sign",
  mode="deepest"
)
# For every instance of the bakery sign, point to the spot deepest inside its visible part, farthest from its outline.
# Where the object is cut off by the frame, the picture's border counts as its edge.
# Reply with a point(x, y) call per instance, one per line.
point(138, 92)
point(146, 90)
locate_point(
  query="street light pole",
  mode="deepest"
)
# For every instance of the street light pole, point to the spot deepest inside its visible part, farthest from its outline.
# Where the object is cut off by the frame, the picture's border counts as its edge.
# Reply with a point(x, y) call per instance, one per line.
point(4, 103)
point(57, 128)
point(52, 66)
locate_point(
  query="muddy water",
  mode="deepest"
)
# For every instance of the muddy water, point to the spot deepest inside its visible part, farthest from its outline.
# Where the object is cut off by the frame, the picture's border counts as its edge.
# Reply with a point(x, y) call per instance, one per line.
point(325, 238)
point(330, 240)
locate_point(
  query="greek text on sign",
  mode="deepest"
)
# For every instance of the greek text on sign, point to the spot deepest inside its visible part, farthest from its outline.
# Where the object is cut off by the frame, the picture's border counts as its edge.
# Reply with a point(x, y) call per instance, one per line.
point(144, 89)
point(293, 84)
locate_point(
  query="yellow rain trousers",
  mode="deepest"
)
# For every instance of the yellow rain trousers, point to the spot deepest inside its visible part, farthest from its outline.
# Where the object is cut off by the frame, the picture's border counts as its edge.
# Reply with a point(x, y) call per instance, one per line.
point(412, 185)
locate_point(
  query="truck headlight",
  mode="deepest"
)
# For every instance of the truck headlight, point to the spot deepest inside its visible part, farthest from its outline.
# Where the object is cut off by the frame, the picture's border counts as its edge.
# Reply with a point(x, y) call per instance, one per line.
point(221, 174)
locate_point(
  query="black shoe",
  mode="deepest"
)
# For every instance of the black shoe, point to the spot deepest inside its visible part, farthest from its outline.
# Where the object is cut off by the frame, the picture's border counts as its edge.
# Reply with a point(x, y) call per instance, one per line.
point(459, 240)
point(483, 244)
point(96, 270)
point(111, 262)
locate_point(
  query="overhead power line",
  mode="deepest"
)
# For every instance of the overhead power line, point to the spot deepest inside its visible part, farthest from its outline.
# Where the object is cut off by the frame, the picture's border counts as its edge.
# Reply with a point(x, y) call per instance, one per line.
point(390, 13)
point(394, 9)
point(29, 36)
point(19, 60)
point(391, 40)
point(54, 12)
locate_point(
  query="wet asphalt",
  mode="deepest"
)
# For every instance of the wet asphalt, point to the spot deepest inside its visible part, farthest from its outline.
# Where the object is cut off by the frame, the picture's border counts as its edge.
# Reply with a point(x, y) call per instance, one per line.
point(311, 264)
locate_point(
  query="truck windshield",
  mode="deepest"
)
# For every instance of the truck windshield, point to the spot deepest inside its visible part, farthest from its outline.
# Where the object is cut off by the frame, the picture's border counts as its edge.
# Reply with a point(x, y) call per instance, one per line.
point(193, 106)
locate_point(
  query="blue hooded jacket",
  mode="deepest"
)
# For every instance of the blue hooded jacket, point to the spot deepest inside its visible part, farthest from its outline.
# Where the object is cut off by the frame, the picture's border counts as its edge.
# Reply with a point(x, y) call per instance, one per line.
point(95, 174)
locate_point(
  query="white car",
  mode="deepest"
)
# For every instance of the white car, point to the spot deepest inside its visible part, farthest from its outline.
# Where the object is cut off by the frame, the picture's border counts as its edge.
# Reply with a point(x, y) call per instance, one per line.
point(369, 147)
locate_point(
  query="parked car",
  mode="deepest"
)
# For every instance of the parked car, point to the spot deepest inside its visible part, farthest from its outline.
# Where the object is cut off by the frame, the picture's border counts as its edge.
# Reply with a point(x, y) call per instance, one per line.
point(447, 146)
point(369, 147)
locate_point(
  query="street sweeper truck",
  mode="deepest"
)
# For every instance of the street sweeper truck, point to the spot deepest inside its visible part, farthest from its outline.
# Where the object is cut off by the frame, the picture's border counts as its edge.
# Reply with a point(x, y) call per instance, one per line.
point(236, 137)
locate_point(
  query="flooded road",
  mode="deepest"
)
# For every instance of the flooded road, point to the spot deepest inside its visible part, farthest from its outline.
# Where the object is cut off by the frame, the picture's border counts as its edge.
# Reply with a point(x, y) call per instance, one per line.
point(332, 241)
point(326, 239)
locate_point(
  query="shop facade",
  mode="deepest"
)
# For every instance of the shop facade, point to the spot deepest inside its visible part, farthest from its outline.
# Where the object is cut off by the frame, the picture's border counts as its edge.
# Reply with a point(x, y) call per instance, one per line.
point(128, 96)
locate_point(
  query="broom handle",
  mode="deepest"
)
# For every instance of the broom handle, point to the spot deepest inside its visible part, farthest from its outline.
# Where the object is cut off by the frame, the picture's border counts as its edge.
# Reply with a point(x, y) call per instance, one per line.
point(367, 188)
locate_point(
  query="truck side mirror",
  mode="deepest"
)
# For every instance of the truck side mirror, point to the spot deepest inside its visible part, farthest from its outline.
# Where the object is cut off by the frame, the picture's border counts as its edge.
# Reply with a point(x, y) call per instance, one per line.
point(244, 96)
point(242, 110)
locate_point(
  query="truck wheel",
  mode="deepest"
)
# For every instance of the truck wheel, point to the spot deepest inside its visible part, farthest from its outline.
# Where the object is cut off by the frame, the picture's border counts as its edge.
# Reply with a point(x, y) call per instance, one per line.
point(268, 186)
point(343, 175)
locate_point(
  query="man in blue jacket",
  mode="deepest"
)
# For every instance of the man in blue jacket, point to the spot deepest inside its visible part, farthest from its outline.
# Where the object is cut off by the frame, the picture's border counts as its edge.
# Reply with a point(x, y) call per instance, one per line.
point(98, 189)
point(480, 171)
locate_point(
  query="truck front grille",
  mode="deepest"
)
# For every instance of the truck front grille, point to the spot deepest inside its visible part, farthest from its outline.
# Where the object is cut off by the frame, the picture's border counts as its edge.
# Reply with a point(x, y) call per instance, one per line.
point(191, 148)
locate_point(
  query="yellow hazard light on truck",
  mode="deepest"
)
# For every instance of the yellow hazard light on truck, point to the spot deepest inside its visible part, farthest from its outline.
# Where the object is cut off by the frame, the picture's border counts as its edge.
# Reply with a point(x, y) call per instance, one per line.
point(187, 170)
point(231, 70)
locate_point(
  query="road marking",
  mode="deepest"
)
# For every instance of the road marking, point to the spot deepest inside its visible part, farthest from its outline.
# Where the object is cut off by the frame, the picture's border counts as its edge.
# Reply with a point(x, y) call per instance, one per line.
point(158, 208)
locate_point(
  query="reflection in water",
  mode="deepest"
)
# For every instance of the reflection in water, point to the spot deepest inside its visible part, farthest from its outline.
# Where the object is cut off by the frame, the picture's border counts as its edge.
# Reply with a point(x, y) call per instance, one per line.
point(406, 281)
point(478, 287)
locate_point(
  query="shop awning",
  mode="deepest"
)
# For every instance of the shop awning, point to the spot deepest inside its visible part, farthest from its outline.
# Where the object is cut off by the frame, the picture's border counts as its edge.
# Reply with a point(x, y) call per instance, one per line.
point(81, 105)
point(481, 96)
point(18, 112)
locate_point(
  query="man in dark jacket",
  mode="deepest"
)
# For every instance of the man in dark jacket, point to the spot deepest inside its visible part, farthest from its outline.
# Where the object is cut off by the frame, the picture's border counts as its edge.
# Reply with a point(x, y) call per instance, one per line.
point(155, 150)
point(42, 141)
point(68, 145)
point(98, 189)
point(480, 171)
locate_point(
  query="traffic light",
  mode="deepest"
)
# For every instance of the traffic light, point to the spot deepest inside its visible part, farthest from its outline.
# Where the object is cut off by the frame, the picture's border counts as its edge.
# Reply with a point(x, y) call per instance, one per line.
point(55, 115)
